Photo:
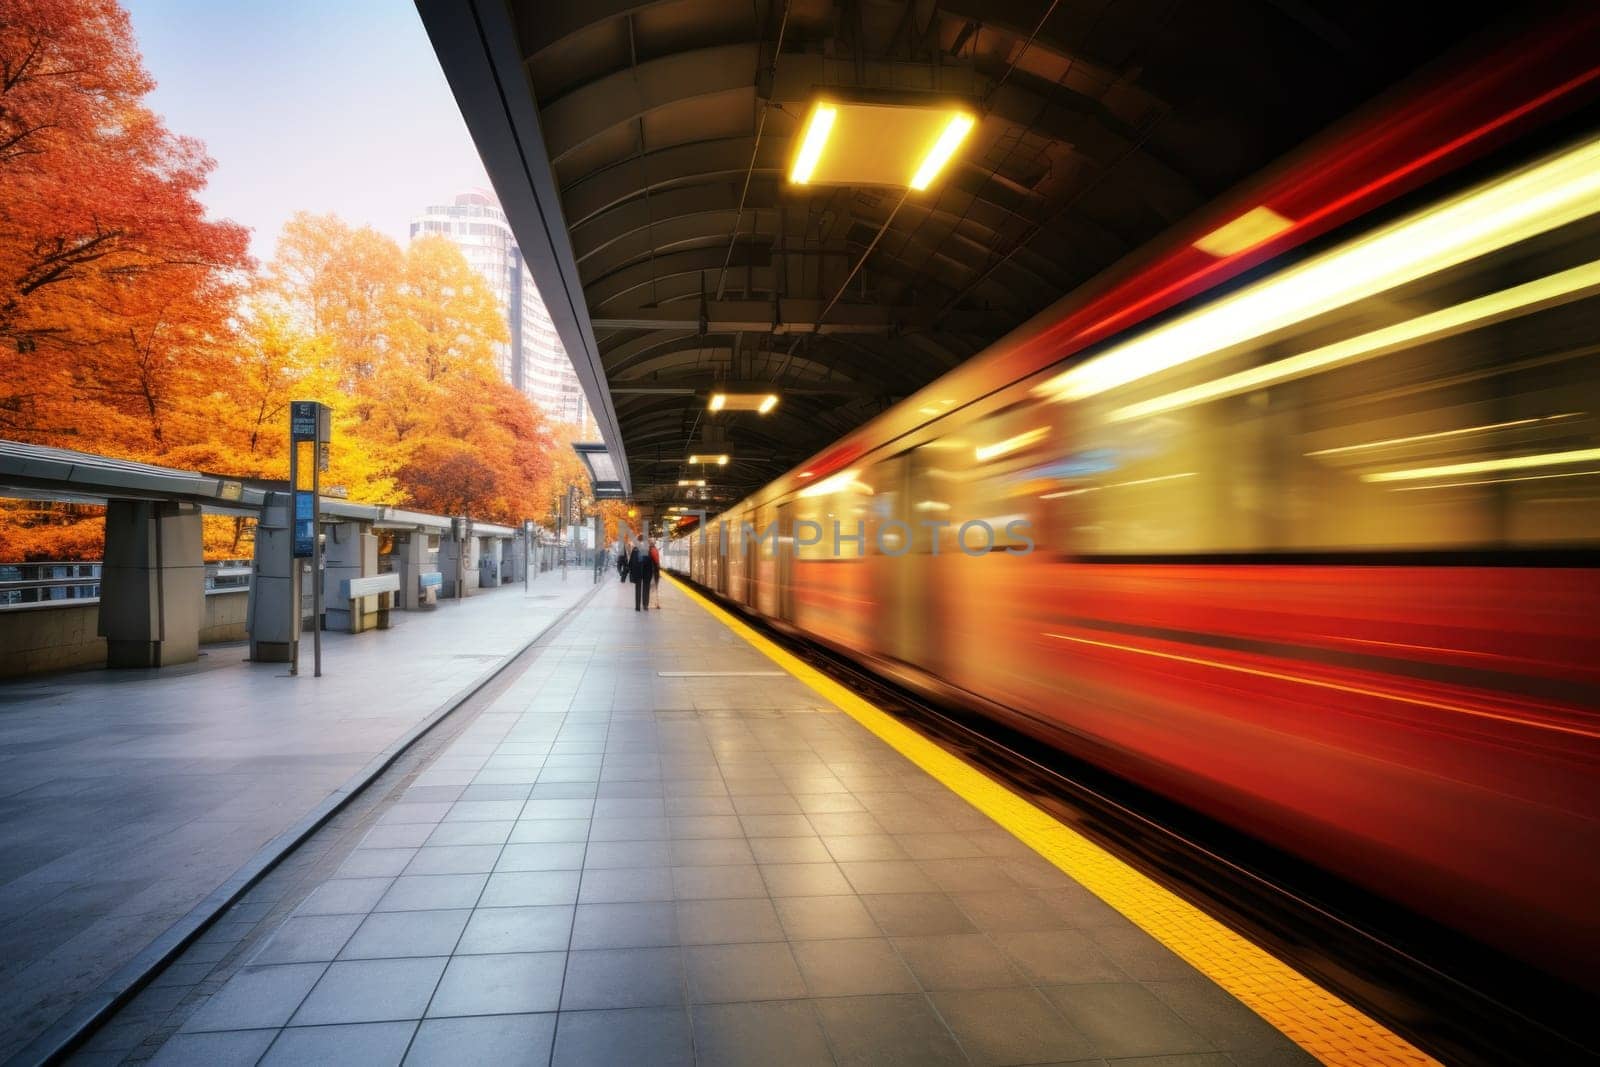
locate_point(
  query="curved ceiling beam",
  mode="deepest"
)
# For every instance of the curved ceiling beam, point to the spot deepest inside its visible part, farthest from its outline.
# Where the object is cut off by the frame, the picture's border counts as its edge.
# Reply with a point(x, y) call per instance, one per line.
point(666, 235)
point(694, 162)
point(583, 114)
point(1096, 136)
point(971, 192)
point(806, 360)
point(605, 291)
point(610, 295)
point(636, 227)
point(640, 213)
point(870, 365)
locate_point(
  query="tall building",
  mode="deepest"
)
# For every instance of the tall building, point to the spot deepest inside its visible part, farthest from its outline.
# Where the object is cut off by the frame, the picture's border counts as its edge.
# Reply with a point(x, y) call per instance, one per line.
point(534, 360)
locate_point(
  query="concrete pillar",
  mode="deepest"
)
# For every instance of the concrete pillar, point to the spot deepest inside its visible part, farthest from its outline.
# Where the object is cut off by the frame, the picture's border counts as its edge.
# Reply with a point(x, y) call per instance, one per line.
point(489, 562)
point(449, 552)
point(411, 563)
point(514, 559)
point(350, 551)
point(153, 585)
point(273, 623)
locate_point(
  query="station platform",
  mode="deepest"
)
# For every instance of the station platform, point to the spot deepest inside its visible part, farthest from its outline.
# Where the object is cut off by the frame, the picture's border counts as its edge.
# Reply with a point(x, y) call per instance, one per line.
point(661, 843)
point(129, 797)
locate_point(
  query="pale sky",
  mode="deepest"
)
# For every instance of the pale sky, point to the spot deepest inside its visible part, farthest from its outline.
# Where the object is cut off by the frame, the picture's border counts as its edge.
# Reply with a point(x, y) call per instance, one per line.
point(333, 106)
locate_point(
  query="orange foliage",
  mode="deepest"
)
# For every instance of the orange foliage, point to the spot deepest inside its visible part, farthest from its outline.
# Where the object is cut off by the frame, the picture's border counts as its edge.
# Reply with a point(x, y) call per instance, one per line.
point(114, 287)
point(131, 325)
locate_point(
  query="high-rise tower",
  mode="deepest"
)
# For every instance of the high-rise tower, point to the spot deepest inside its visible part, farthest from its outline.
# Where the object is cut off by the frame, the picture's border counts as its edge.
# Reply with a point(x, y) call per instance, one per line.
point(534, 360)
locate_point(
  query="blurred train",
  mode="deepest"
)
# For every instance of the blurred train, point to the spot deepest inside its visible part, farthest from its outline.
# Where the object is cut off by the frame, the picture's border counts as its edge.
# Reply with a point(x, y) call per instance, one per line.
point(1312, 490)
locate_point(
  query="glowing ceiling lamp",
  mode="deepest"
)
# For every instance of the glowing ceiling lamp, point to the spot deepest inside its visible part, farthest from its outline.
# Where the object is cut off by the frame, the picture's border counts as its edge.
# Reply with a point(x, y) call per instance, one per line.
point(757, 402)
point(812, 142)
point(898, 145)
point(955, 131)
point(720, 460)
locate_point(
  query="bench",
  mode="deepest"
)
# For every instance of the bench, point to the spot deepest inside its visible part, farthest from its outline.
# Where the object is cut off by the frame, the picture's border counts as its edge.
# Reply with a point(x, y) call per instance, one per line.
point(382, 586)
point(371, 585)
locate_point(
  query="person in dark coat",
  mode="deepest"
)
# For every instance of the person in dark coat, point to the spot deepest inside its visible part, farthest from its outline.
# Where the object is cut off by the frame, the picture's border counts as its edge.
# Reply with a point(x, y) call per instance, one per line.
point(641, 572)
point(622, 561)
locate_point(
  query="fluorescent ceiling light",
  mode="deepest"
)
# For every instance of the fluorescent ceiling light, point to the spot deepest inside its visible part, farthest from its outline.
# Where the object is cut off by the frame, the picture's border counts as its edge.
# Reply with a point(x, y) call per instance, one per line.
point(698, 482)
point(955, 131)
point(812, 142)
point(1535, 200)
point(1525, 299)
point(896, 145)
point(1248, 230)
point(758, 402)
point(719, 460)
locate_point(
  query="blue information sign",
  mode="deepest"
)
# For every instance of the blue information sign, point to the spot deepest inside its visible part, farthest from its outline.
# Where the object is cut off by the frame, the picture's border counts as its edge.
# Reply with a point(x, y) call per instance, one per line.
point(305, 524)
point(303, 420)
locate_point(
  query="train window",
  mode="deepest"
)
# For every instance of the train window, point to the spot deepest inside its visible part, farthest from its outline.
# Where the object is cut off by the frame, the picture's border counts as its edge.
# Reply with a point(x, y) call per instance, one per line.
point(1483, 437)
point(886, 507)
point(1454, 411)
point(1009, 457)
point(829, 513)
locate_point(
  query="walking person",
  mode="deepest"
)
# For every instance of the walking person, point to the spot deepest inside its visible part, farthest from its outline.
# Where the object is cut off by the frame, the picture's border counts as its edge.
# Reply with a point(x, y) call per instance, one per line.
point(622, 560)
point(655, 566)
point(641, 571)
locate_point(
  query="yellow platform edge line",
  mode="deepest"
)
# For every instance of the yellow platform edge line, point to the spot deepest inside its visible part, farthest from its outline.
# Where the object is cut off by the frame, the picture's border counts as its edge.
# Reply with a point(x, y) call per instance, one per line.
point(1327, 1027)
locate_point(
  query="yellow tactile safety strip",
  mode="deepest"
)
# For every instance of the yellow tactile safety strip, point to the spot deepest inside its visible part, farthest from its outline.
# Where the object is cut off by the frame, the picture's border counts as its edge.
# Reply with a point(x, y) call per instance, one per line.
point(1316, 1020)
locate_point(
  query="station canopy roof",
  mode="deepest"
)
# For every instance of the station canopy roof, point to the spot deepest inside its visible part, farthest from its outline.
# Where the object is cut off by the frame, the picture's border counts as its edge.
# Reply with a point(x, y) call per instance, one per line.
point(644, 154)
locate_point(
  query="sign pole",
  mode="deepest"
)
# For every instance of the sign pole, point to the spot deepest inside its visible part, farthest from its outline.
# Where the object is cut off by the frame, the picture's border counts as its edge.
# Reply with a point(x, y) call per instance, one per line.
point(461, 561)
point(294, 549)
point(310, 424)
point(316, 567)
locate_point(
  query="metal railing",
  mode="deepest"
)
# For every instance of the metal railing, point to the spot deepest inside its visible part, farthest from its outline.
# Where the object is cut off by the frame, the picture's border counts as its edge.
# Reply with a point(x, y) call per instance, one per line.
point(40, 583)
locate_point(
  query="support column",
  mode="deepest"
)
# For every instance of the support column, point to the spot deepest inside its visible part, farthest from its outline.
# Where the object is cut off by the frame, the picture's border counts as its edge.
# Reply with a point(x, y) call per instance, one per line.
point(514, 559)
point(273, 623)
point(153, 584)
point(411, 561)
point(350, 551)
point(451, 550)
point(489, 562)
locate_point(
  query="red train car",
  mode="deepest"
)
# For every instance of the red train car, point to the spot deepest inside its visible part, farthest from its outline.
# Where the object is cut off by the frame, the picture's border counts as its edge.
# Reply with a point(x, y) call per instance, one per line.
point(1294, 518)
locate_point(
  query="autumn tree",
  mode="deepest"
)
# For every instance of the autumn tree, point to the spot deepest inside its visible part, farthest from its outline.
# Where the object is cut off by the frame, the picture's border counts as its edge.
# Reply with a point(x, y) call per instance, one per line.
point(131, 325)
point(339, 282)
point(114, 286)
point(408, 342)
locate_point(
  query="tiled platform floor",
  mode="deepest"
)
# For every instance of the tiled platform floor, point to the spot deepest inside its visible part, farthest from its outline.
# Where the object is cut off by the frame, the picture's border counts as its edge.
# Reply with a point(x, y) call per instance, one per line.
point(128, 796)
point(615, 866)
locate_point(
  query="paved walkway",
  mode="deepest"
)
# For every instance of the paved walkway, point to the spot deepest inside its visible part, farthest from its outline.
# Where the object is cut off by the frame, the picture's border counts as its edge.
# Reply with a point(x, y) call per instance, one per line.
point(126, 797)
point(653, 848)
